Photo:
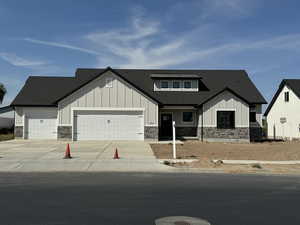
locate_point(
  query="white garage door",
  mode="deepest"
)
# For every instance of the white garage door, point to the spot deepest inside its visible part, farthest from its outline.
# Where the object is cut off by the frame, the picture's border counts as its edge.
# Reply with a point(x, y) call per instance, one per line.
point(109, 125)
point(41, 124)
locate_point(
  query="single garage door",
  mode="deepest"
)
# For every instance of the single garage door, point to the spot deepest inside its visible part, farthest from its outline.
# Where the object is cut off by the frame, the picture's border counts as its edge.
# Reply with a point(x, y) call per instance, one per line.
point(41, 124)
point(109, 125)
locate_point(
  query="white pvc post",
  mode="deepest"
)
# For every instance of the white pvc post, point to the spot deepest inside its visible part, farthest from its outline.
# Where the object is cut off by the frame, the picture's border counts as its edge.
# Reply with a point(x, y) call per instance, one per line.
point(174, 140)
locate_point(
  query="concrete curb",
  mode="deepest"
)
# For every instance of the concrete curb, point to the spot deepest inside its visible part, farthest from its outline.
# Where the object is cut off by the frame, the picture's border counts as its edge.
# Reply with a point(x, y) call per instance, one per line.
point(249, 162)
point(178, 160)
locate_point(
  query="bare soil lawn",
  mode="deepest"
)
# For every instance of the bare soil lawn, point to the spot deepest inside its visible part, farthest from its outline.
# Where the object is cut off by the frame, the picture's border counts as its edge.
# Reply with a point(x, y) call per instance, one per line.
point(253, 151)
point(205, 152)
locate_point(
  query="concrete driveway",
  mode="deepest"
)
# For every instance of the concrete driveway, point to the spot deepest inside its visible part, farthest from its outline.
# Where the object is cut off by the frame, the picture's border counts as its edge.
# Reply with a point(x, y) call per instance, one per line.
point(47, 156)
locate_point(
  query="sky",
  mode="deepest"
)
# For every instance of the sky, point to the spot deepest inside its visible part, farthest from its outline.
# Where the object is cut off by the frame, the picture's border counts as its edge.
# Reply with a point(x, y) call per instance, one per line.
point(53, 38)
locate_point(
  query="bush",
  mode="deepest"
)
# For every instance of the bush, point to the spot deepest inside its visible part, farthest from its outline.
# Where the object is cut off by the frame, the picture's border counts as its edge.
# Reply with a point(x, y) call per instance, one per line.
point(257, 166)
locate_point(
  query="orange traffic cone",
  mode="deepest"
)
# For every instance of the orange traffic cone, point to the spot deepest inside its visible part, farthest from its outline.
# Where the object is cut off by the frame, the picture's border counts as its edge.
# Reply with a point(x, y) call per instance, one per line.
point(116, 156)
point(68, 152)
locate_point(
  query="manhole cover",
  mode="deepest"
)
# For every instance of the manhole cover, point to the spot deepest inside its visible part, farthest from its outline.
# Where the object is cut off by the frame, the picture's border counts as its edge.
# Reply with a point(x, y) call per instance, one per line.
point(181, 220)
point(181, 223)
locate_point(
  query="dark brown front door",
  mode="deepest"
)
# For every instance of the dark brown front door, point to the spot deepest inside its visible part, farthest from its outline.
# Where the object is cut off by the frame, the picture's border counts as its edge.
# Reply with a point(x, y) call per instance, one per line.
point(166, 125)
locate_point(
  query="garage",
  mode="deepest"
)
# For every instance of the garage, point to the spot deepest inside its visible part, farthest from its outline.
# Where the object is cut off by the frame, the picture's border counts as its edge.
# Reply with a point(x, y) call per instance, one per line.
point(109, 125)
point(41, 124)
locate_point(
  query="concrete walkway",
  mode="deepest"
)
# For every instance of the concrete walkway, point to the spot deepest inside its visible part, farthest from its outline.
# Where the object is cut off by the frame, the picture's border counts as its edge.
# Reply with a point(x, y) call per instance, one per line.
point(47, 156)
point(249, 162)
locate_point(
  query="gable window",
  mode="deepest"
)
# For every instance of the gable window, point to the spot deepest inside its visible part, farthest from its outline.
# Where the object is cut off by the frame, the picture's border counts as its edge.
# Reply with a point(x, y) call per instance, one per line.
point(164, 84)
point(187, 84)
point(225, 119)
point(176, 84)
point(108, 82)
point(187, 117)
point(286, 96)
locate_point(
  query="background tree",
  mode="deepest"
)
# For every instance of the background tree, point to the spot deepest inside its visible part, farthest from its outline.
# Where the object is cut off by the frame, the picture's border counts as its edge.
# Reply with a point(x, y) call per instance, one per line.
point(2, 92)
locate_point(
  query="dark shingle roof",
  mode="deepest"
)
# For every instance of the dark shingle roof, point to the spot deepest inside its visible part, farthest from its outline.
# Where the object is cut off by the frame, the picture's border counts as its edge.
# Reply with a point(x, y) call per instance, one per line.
point(46, 91)
point(294, 84)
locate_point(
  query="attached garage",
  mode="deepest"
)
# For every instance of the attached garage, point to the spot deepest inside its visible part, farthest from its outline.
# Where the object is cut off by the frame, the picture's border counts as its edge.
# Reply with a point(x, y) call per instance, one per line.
point(41, 123)
point(108, 124)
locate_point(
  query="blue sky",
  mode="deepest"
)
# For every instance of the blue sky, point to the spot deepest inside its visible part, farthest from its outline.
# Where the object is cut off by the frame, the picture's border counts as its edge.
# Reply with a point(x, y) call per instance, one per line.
point(56, 37)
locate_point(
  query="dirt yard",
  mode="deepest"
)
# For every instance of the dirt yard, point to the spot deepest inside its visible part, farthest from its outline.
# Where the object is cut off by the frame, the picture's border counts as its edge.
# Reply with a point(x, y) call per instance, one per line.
point(205, 152)
point(254, 151)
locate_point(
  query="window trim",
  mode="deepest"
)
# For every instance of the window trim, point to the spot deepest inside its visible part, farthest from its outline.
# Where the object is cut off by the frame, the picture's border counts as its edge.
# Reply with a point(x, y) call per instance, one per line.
point(230, 110)
point(188, 122)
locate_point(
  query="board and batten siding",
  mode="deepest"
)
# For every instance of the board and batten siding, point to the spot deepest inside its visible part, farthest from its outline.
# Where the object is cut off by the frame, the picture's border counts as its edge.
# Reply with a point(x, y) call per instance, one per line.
point(290, 111)
point(226, 101)
point(120, 95)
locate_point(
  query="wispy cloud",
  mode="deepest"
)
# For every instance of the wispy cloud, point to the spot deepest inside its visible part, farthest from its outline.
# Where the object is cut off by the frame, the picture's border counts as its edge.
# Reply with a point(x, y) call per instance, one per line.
point(61, 45)
point(19, 61)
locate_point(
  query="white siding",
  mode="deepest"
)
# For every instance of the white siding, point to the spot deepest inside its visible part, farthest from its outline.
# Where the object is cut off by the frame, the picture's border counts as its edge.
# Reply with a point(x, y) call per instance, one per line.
point(120, 95)
point(18, 116)
point(290, 111)
point(226, 101)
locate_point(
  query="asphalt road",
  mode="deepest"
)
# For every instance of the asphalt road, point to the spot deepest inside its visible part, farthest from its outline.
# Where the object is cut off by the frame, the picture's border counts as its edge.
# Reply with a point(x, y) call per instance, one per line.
point(138, 199)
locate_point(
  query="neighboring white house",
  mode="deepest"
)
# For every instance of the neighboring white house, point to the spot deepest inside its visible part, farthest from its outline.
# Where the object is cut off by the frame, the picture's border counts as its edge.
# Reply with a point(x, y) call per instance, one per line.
point(283, 113)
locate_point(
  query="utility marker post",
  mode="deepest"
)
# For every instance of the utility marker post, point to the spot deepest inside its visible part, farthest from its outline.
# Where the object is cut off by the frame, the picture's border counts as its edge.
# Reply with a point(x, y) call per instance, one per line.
point(174, 140)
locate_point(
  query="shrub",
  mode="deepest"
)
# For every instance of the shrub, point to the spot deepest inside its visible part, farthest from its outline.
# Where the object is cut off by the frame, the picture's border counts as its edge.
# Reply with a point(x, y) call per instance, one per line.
point(257, 166)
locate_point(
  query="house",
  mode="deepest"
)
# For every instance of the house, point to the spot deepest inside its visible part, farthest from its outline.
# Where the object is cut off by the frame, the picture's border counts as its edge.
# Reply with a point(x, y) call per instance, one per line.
point(283, 117)
point(133, 104)
point(6, 119)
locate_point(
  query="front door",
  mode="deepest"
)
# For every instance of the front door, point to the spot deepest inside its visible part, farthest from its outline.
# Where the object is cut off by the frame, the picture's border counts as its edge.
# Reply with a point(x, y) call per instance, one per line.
point(166, 125)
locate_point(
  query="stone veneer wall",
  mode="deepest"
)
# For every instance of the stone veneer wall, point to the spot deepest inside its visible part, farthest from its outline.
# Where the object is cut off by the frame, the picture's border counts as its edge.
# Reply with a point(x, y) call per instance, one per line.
point(18, 132)
point(151, 133)
point(64, 132)
point(256, 133)
point(186, 131)
point(239, 134)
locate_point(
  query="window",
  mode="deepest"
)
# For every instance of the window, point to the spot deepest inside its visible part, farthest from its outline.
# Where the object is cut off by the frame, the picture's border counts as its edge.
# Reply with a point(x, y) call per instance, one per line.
point(286, 96)
point(176, 84)
point(108, 82)
point(225, 119)
point(252, 117)
point(187, 117)
point(187, 84)
point(164, 84)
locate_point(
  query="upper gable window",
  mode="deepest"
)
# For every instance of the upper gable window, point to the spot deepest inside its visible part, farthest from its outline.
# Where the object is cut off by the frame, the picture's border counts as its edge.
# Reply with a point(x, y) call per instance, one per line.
point(286, 96)
point(164, 84)
point(187, 84)
point(176, 84)
point(108, 82)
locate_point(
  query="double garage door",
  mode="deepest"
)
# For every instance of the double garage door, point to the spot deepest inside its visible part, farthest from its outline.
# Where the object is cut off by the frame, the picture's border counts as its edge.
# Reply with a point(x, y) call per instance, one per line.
point(108, 125)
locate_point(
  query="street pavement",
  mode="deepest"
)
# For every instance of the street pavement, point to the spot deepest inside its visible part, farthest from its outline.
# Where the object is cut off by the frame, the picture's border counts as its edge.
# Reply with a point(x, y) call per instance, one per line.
point(141, 198)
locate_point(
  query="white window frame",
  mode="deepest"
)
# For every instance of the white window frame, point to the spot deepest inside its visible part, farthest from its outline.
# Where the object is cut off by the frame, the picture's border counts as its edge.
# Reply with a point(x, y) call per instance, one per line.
point(108, 82)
